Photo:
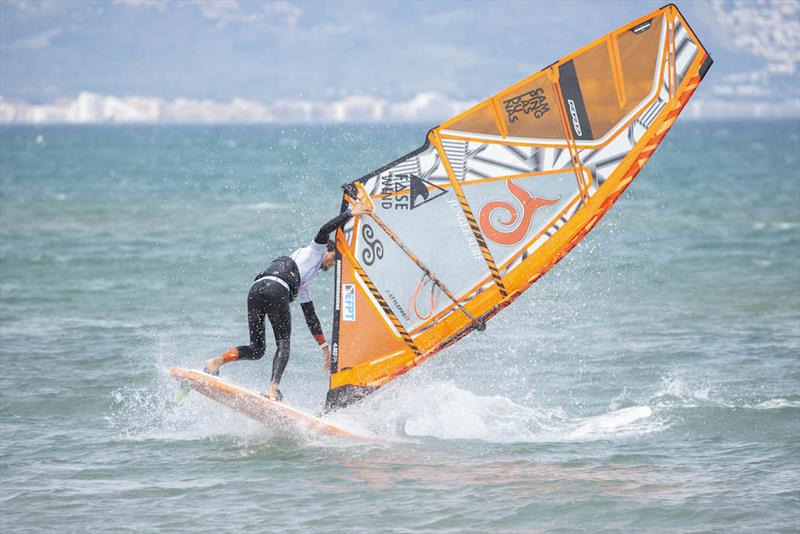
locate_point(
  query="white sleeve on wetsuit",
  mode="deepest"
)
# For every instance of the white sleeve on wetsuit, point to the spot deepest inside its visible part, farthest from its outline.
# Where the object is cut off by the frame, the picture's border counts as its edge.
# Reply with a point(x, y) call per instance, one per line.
point(318, 250)
point(308, 260)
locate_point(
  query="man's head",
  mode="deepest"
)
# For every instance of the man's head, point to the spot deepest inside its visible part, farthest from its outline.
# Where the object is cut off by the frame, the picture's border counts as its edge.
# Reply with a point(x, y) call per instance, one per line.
point(330, 256)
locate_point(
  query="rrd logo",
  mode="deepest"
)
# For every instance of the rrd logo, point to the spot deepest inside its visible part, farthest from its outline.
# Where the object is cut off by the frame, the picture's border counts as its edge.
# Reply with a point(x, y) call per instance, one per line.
point(574, 112)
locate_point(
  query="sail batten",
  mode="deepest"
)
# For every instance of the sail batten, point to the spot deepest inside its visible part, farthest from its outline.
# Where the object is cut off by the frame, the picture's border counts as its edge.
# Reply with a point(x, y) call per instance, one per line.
point(498, 195)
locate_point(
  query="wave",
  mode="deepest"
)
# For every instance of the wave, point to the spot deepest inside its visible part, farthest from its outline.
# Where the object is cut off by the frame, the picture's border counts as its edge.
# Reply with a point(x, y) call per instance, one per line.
point(618, 423)
point(443, 410)
point(675, 390)
point(440, 410)
point(774, 404)
point(422, 409)
point(777, 225)
point(265, 206)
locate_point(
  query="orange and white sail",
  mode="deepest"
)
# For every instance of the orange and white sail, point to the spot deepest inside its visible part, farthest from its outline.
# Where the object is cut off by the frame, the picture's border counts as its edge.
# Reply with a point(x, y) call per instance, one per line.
point(497, 195)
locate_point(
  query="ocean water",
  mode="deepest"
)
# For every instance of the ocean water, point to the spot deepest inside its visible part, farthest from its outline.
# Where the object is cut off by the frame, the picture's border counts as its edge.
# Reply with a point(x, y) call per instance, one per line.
point(649, 383)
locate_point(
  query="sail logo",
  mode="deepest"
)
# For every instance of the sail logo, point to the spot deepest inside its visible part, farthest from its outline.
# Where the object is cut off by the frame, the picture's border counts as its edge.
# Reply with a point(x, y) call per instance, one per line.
point(374, 248)
point(348, 302)
point(574, 112)
point(407, 192)
point(530, 205)
point(532, 102)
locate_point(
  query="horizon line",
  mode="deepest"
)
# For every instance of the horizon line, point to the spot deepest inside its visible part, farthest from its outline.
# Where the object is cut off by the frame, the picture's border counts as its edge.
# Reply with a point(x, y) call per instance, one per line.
point(423, 107)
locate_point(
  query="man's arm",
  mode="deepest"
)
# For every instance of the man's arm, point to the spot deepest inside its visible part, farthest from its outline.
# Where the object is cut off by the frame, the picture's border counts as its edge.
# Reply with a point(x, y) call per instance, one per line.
point(339, 220)
point(316, 330)
point(330, 226)
point(313, 321)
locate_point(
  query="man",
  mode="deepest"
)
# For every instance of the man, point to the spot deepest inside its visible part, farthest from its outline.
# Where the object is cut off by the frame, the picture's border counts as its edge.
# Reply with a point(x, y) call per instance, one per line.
point(286, 278)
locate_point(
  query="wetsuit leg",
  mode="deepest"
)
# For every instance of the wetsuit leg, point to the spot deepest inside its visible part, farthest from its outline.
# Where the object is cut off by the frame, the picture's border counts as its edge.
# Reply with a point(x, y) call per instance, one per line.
point(259, 300)
point(268, 298)
point(281, 319)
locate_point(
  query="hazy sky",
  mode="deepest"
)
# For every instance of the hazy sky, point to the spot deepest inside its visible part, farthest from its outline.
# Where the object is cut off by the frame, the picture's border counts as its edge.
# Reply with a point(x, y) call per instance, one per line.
point(221, 49)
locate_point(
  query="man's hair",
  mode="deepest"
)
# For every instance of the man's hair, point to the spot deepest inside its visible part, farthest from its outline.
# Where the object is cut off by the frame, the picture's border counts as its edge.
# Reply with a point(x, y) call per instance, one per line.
point(331, 245)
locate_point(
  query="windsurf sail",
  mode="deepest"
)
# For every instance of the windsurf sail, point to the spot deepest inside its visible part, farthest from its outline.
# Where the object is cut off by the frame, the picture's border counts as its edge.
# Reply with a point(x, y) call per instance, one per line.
point(498, 195)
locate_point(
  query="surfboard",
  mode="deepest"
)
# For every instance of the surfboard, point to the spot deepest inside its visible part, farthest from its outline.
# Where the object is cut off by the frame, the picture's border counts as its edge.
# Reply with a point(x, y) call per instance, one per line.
point(272, 413)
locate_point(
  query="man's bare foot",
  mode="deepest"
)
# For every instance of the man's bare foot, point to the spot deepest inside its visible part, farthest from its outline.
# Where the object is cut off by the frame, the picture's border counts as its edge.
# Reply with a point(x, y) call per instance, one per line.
point(274, 393)
point(213, 365)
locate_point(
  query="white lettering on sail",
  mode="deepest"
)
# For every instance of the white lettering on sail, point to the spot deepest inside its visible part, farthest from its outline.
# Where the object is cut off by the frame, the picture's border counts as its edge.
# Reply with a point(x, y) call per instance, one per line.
point(349, 304)
point(574, 112)
point(465, 229)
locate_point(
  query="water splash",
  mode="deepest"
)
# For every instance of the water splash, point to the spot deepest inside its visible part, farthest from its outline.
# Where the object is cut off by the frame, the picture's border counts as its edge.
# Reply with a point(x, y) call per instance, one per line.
point(445, 411)
point(624, 422)
point(150, 412)
point(676, 390)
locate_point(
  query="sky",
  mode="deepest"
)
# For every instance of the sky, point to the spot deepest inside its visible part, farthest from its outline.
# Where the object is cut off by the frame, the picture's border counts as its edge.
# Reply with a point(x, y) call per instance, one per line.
point(434, 55)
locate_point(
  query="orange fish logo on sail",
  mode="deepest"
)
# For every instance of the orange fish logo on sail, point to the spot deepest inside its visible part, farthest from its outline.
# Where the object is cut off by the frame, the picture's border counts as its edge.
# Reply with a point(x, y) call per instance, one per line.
point(530, 204)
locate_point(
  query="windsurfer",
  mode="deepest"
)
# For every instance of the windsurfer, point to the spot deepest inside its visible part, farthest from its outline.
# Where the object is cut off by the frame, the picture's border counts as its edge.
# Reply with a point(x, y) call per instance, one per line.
point(285, 279)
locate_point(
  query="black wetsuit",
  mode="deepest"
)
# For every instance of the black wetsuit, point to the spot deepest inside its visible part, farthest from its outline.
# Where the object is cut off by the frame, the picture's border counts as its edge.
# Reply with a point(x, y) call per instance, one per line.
point(272, 291)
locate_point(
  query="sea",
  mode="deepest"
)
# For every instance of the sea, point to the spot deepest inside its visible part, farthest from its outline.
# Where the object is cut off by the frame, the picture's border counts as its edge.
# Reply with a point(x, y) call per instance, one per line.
point(650, 382)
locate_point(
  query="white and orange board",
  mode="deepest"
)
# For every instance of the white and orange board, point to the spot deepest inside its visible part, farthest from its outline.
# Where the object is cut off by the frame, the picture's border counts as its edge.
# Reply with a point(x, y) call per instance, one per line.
point(256, 406)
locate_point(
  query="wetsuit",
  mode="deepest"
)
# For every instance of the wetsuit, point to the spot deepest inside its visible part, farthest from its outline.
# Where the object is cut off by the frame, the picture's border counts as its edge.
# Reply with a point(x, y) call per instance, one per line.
point(286, 278)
